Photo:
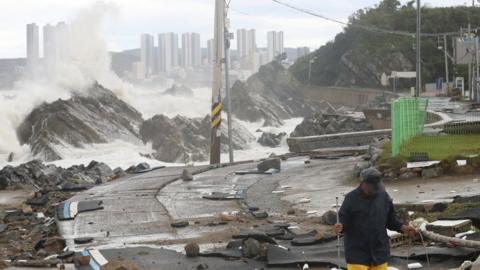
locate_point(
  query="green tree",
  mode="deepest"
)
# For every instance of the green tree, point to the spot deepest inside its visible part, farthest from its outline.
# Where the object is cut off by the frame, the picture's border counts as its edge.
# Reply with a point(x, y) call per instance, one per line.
point(358, 57)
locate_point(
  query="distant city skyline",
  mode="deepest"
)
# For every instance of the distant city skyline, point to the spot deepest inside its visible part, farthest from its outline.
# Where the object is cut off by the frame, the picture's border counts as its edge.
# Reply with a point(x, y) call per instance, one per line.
point(166, 58)
point(131, 18)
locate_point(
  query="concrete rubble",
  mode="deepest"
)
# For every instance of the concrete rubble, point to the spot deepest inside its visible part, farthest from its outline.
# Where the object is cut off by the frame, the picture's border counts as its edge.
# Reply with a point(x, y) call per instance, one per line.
point(29, 236)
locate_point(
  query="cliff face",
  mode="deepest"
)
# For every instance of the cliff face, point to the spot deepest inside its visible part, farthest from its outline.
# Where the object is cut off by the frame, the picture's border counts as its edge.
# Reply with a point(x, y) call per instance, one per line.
point(272, 95)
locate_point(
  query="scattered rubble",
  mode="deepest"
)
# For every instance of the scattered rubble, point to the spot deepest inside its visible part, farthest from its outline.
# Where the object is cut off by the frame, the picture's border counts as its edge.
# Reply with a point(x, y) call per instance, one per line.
point(260, 214)
point(82, 260)
point(270, 139)
point(29, 233)
point(272, 163)
point(187, 175)
point(83, 240)
point(179, 224)
point(53, 244)
point(250, 248)
point(192, 250)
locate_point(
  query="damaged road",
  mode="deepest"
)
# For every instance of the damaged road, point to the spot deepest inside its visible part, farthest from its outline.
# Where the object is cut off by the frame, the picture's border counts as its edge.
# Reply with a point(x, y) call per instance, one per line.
point(218, 209)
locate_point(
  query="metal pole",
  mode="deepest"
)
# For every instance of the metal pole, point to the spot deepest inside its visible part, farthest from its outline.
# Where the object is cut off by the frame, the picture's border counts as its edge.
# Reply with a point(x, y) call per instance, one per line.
point(470, 90)
point(477, 70)
point(216, 114)
point(226, 36)
point(395, 84)
point(445, 44)
point(419, 63)
point(470, 77)
point(310, 71)
point(338, 236)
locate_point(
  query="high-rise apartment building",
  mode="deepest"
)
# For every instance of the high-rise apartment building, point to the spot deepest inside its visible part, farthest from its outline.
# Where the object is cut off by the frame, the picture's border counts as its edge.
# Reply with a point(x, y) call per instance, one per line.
point(147, 55)
point(191, 50)
point(32, 44)
point(275, 45)
point(210, 51)
point(246, 42)
point(167, 51)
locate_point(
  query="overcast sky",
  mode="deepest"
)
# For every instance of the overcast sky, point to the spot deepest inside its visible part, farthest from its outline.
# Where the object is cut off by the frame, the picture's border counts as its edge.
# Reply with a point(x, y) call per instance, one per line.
point(122, 28)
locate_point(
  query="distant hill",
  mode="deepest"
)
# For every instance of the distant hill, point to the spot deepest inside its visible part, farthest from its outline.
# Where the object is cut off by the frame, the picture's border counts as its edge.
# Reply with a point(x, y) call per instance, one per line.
point(357, 57)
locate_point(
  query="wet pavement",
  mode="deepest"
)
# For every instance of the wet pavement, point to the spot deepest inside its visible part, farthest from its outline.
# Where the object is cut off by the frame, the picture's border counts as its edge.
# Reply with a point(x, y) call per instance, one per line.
point(139, 210)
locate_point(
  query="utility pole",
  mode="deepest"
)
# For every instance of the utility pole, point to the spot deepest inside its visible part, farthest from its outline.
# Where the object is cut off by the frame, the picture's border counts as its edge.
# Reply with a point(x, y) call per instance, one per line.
point(226, 35)
point(310, 72)
point(477, 70)
point(445, 44)
point(470, 77)
point(419, 62)
point(216, 114)
point(311, 60)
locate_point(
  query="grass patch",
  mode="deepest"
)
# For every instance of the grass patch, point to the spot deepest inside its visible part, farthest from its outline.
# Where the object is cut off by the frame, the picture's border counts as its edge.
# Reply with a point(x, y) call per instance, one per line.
point(452, 209)
point(442, 147)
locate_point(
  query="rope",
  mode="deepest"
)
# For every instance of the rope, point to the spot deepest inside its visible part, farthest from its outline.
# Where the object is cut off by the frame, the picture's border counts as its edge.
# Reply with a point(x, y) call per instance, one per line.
point(409, 249)
point(426, 251)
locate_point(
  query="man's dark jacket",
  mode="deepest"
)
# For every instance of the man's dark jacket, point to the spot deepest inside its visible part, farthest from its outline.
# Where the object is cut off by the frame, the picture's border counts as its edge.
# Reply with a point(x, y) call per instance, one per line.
point(365, 220)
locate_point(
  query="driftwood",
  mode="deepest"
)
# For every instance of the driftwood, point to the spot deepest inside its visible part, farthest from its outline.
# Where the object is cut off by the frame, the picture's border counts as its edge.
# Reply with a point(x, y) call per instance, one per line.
point(445, 239)
point(36, 263)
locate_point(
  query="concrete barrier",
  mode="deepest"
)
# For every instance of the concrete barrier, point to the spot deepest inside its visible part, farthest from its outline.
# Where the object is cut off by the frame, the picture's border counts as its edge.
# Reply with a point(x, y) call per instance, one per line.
point(342, 96)
point(305, 144)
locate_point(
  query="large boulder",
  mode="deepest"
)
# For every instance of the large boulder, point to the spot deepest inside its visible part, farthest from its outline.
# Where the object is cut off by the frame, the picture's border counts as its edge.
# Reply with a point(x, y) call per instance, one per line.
point(270, 139)
point(182, 139)
point(179, 91)
point(271, 95)
point(98, 116)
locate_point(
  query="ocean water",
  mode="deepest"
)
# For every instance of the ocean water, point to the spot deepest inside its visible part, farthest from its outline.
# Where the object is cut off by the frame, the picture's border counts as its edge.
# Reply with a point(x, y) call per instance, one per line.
point(16, 104)
point(90, 62)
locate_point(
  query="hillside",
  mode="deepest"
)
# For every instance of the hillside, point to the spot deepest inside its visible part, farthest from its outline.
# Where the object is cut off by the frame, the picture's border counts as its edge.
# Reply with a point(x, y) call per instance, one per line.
point(357, 57)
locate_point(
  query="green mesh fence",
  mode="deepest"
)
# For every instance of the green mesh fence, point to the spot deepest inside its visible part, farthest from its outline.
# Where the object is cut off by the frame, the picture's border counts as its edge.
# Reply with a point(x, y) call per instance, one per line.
point(408, 120)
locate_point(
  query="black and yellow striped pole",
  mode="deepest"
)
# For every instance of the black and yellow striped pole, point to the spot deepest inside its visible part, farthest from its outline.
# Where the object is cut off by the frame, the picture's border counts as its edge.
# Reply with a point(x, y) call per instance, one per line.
point(216, 114)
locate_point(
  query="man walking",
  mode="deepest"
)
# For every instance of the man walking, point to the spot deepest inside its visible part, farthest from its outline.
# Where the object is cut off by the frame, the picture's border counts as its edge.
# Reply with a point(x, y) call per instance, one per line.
point(365, 215)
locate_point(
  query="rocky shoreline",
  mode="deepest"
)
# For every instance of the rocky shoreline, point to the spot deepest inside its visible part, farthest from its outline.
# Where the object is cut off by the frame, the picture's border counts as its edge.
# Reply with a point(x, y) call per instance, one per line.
point(28, 232)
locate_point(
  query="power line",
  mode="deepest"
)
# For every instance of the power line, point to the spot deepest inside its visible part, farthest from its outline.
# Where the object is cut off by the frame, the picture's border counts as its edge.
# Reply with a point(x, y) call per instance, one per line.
point(364, 27)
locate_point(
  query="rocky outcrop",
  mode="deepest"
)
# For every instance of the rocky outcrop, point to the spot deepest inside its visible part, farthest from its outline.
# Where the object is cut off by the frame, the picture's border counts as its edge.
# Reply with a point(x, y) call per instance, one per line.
point(271, 95)
point(95, 117)
point(179, 91)
point(181, 139)
point(366, 68)
point(320, 124)
point(271, 139)
point(37, 174)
